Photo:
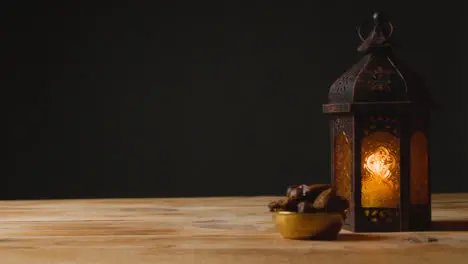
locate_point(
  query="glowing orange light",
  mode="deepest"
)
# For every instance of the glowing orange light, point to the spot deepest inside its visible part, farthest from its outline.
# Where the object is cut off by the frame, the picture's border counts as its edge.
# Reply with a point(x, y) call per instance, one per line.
point(380, 162)
point(380, 168)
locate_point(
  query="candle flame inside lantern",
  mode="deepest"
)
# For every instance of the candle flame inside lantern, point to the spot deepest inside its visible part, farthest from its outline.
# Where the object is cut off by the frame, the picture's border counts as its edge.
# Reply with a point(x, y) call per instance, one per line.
point(380, 163)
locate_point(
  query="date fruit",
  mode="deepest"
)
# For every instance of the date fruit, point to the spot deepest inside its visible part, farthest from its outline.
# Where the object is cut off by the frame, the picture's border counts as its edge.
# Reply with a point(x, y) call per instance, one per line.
point(297, 192)
point(314, 190)
point(306, 207)
point(311, 199)
point(283, 205)
point(336, 204)
point(322, 200)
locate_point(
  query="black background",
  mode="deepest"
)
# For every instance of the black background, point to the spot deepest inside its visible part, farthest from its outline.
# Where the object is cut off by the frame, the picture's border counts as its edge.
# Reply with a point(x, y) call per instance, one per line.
point(201, 98)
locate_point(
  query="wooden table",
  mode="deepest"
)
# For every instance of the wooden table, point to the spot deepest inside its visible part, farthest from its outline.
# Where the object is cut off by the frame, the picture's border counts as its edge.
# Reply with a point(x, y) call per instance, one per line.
point(207, 230)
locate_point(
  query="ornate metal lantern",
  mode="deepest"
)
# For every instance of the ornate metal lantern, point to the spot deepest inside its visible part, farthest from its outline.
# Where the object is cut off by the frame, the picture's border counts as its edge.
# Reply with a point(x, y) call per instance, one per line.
point(379, 141)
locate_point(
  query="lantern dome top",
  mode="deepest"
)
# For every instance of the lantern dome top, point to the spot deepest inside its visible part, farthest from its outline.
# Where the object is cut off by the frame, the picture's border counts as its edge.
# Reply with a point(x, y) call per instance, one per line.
point(375, 78)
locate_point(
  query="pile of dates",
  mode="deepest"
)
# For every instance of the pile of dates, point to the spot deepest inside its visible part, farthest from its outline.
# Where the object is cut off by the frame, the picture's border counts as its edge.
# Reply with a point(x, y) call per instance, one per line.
point(310, 199)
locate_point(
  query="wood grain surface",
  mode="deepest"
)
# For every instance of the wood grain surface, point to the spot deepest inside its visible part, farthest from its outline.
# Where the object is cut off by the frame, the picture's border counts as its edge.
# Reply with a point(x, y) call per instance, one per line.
point(208, 230)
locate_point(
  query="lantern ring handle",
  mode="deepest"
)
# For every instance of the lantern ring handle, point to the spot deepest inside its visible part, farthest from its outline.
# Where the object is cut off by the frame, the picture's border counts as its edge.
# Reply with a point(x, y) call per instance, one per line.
point(359, 32)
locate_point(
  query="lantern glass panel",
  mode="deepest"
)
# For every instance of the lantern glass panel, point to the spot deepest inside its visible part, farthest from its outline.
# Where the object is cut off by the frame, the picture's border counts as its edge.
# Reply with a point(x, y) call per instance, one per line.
point(380, 170)
point(419, 169)
point(342, 165)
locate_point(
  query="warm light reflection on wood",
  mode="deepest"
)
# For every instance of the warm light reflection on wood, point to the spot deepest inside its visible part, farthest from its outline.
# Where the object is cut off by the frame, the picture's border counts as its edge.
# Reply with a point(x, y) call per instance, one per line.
point(419, 170)
point(380, 169)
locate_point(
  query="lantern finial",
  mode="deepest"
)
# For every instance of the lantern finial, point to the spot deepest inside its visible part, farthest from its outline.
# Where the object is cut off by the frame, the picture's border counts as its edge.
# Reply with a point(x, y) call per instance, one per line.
point(376, 18)
point(379, 36)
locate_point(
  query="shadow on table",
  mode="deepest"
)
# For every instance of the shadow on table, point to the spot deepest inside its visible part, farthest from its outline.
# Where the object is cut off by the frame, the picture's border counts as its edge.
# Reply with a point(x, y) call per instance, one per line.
point(360, 237)
point(450, 225)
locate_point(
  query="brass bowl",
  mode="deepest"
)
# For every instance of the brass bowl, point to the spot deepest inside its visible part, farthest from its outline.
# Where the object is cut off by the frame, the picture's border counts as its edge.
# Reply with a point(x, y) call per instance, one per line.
point(320, 226)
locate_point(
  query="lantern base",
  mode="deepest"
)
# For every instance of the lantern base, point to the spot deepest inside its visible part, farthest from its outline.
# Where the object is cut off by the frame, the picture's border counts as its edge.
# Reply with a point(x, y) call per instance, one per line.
point(380, 220)
point(355, 229)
